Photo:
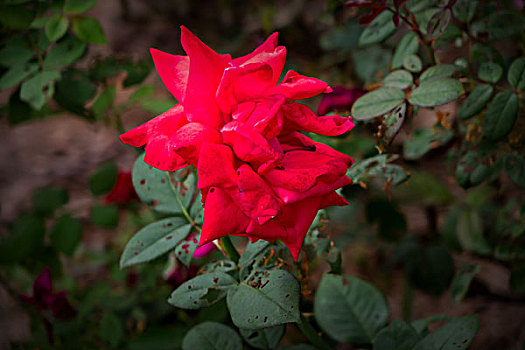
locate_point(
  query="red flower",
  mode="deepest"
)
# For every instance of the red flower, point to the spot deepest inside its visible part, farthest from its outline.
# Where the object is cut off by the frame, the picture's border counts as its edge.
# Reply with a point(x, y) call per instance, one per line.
point(259, 176)
point(341, 99)
point(123, 192)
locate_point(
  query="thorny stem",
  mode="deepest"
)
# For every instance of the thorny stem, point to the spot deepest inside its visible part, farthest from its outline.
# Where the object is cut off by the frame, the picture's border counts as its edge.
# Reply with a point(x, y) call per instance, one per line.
point(308, 330)
point(415, 28)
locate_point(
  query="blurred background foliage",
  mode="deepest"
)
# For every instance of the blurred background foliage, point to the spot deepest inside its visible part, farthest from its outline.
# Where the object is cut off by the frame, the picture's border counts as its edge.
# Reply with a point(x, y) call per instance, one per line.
point(437, 204)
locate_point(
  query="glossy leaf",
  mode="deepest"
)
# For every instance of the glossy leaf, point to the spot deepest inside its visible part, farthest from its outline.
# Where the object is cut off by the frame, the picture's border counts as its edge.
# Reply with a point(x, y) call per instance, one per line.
point(475, 102)
point(462, 279)
point(202, 291)
point(212, 336)
point(409, 45)
point(266, 338)
point(378, 30)
point(265, 298)
point(436, 92)
point(88, 29)
point(398, 79)
point(154, 240)
point(516, 74)
point(349, 309)
point(500, 116)
point(412, 63)
point(66, 234)
point(377, 102)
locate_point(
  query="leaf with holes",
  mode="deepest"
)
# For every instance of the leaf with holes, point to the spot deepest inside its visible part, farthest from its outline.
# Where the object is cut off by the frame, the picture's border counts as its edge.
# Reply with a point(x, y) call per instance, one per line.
point(265, 298)
point(436, 92)
point(377, 102)
point(212, 336)
point(515, 169)
point(462, 280)
point(516, 74)
point(458, 333)
point(398, 79)
point(500, 116)
point(349, 309)
point(399, 335)
point(409, 45)
point(219, 265)
point(154, 240)
point(185, 249)
point(412, 63)
point(266, 338)
point(153, 187)
point(378, 30)
point(202, 291)
point(490, 72)
point(438, 72)
point(393, 121)
point(476, 101)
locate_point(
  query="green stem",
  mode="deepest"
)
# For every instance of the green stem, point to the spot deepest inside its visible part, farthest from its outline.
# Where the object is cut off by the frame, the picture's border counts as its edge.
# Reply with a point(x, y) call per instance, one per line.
point(308, 330)
point(179, 200)
point(230, 249)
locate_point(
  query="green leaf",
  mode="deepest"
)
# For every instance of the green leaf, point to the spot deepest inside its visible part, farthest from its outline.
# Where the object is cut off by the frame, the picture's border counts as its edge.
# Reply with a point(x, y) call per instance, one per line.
point(464, 10)
point(484, 53)
point(88, 29)
point(438, 72)
point(104, 101)
point(16, 74)
point(16, 17)
point(104, 216)
point(462, 280)
point(25, 237)
point(436, 92)
point(202, 291)
point(475, 102)
point(517, 279)
point(143, 93)
point(500, 116)
point(378, 30)
point(158, 106)
point(398, 79)
point(470, 232)
point(409, 45)
point(399, 335)
point(505, 24)
point(343, 38)
point(15, 52)
point(516, 74)
point(510, 251)
point(224, 265)
point(377, 102)
point(111, 330)
point(136, 72)
point(185, 249)
point(472, 170)
point(371, 62)
point(66, 234)
point(103, 179)
point(423, 140)
point(515, 169)
point(47, 200)
point(39, 88)
point(267, 338)
point(153, 187)
point(412, 63)
point(154, 240)
point(252, 253)
point(490, 72)
point(377, 166)
point(265, 298)
point(456, 334)
point(56, 27)
point(40, 22)
point(438, 23)
point(349, 309)
point(212, 336)
point(419, 5)
point(393, 121)
point(74, 90)
point(64, 53)
point(79, 6)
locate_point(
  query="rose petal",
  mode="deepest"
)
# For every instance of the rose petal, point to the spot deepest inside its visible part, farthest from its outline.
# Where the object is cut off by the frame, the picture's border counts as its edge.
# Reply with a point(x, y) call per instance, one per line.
point(297, 87)
point(205, 73)
point(300, 117)
point(267, 118)
point(173, 71)
point(215, 167)
point(256, 198)
point(222, 216)
point(160, 154)
point(290, 196)
point(188, 140)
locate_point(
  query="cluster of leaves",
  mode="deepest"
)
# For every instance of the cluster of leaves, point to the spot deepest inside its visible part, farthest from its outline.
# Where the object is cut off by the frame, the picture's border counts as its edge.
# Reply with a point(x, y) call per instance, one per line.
point(42, 46)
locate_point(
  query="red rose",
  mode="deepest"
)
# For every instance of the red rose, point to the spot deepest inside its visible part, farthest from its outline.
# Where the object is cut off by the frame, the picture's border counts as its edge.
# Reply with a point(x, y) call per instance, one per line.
point(341, 99)
point(123, 191)
point(259, 176)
